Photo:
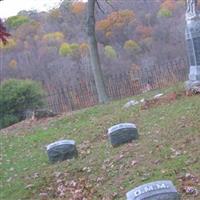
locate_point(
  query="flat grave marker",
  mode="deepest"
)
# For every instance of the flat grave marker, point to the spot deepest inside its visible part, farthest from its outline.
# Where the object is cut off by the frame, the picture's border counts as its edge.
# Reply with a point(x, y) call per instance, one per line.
point(158, 190)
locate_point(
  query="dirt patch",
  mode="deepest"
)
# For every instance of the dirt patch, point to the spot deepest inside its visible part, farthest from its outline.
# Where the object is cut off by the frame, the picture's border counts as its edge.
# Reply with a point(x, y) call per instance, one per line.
point(167, 98)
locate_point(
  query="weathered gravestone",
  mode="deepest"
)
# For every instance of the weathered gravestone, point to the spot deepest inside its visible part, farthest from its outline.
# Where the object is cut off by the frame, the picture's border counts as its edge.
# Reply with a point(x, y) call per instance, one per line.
point(122, 133)
point(158, 190)
point(43, 113)
point(192, 35)
point(62, 150)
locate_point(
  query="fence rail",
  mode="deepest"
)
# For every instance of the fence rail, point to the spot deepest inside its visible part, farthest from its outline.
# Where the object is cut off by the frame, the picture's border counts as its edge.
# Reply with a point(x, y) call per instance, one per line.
point(68, 98)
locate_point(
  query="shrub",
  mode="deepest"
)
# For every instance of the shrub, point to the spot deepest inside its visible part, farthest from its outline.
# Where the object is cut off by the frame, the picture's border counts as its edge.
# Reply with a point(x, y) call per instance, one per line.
point(110, 52)
point(164, 12)
point(16, 96)
point(7, 120)
point(65, 49)
point(132, 46)
point(68, 49)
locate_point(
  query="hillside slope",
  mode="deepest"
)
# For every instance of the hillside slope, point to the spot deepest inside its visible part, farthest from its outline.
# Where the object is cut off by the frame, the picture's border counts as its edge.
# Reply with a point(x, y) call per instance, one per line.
point(168, 148)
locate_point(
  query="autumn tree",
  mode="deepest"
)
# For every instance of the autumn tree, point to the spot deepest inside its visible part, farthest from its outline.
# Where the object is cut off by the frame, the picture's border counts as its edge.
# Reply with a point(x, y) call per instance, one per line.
point(68, 49)
point(78, 7)
point(167, 8)
point(116, 25)
point(110, 52)
point(132, 47)
point(3, 33)
point(144, 31)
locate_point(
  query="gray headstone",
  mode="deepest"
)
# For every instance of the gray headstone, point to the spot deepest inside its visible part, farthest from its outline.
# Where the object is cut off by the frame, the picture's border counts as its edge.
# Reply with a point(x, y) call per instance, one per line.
point(122, 133)
point(62, 150)
point(158, 190)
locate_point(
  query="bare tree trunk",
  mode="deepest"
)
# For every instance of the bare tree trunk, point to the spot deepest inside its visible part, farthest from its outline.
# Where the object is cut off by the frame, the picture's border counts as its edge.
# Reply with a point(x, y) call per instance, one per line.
point(94, 54)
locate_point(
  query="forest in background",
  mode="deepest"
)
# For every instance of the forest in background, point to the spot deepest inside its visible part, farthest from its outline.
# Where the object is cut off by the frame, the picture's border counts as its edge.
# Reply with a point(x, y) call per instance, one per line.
point(51, 47)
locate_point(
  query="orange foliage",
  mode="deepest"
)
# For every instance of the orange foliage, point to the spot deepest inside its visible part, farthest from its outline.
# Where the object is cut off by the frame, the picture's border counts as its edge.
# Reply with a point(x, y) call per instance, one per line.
point(115, 20)
point(144, 31)
point(134, 68)
point(78, 7)
point(12, 64)
point(84, 48)
point(169, 5)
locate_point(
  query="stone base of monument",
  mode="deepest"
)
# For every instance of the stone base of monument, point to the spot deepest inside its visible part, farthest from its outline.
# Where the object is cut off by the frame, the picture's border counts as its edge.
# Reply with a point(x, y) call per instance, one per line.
point(61, 150)
point(158, 190)
point(122, 133)
point(192, 87)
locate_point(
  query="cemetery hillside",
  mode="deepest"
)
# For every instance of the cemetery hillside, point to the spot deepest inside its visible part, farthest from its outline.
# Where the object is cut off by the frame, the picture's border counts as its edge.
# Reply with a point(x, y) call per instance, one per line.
point(100, 100)
point(167, 149)
point(52, 47)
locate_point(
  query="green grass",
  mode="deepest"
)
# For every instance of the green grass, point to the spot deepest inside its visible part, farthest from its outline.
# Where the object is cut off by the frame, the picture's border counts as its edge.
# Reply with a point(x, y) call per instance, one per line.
point(163, 130)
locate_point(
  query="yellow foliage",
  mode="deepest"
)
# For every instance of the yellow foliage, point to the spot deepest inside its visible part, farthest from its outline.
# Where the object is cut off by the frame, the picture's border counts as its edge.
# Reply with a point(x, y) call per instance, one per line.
point(54, 36)
point(109, 34)
point(11, 44)
point(68, 49)
point(110, 52)
point(132, 46)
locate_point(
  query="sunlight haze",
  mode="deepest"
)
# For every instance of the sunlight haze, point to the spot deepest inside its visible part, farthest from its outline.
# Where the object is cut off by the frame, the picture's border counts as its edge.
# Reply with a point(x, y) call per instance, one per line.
point(8, 8)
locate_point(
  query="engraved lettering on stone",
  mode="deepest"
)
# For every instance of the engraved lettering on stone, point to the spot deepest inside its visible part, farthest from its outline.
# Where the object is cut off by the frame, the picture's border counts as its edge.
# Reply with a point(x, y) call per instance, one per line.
point(162, 186)
point(148, 188)
point(157, 189)
point(137, 193)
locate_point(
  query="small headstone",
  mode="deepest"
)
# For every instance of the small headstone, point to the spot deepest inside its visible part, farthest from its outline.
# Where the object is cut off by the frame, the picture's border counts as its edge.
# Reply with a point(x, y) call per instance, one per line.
point(43, 113)
point(122, 133)
point(62, 150)
point(158, 190)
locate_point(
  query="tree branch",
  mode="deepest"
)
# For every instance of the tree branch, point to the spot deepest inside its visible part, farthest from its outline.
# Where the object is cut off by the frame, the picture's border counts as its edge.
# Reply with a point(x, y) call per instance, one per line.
point(99, 7)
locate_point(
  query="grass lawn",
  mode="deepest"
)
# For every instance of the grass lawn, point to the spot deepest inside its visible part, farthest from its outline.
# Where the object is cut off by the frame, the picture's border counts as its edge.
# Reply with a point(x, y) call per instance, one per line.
point(168, 148)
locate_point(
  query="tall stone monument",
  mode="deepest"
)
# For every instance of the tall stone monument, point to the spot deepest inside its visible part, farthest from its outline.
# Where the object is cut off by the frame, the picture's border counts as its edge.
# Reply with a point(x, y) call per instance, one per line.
point(192, 34)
